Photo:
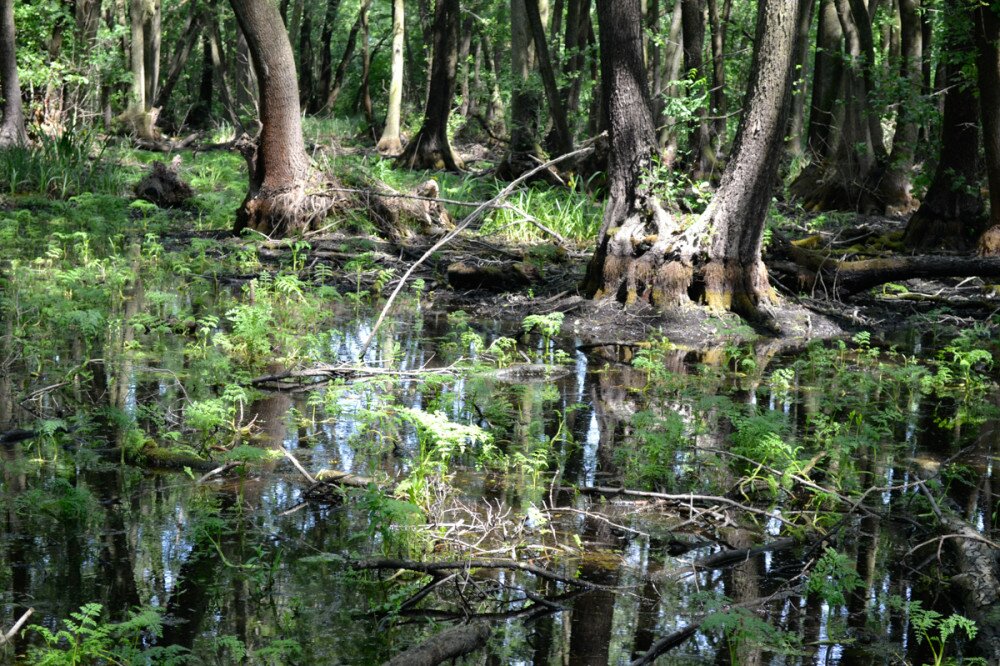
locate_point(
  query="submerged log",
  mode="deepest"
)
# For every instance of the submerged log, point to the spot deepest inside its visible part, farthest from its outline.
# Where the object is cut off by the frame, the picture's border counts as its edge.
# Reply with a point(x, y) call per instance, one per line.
point(449, 644)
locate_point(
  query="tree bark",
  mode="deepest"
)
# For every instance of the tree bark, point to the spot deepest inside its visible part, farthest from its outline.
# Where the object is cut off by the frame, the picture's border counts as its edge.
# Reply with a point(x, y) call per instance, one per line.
point(951, 214)
point(390, 143)
point(136, 116)
point(619, 269)
point(672, 57)
point(431, 149)
point(277, 202)
point(717, 21)
point(12, 132)
point(796, 118)
point(852, 173)
point(735, 277)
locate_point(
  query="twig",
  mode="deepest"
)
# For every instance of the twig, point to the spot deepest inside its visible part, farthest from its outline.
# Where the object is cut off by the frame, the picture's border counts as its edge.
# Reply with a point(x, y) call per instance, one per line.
point(218, 470)
point(447, 238)
point(4, 638)
point(298, 465)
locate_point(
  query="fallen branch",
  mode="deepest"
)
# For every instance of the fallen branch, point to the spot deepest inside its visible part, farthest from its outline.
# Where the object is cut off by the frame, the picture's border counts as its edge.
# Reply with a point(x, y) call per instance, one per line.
point(449, 644)
point(327, 372)
point(682, 500)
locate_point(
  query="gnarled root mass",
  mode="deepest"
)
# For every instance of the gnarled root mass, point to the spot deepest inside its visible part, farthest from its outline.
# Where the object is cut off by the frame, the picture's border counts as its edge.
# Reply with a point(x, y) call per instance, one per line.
point(278, 212)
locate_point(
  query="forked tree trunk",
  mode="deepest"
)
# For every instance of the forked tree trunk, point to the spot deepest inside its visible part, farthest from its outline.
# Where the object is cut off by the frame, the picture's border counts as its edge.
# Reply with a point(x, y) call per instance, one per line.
point(430, 148)
point(951, 214)
point(557, 113)
point(333, 92)
point(12, 132)
point(326, 57)
point(277, 201)
point(796, 118)
point(390, 143)
point(191, 32)
point(137, 117)
point(641, 253)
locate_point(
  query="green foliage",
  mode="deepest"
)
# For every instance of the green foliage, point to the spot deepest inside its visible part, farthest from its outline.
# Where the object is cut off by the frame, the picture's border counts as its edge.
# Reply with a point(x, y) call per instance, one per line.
point(833, 577)
point(744, 630)
point(934, 629)
point(86, 639)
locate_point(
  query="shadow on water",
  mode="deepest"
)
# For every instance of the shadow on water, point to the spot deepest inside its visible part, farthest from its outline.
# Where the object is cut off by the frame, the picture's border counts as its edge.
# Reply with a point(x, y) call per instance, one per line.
point(243, 562)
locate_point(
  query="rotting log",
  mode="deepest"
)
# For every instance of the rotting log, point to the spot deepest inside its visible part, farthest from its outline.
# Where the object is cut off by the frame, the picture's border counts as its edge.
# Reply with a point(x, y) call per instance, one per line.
point(339, 478)
point(163, 186)
point(449, 644)
point(846, 278)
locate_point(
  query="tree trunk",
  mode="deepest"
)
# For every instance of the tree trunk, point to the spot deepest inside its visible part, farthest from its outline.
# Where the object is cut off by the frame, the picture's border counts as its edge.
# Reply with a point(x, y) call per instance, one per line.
point(221, 73)
point(137, 117)
point(524, 146)
point(152, 35)
point(827, 70)
point(191, 32)
point(495, 109)
point(277, 202)
point(717, 21)
point(345, 60)
point(430, 149)
point(12, 132)
point(987, 33)
point(951, 214)
point(700, 157)
point(564, 140)
point(851, 175)
point(619, 268)
point(246, 80)
point(364, 92)
point(202, 110)
point(672, 57)
point(464, 50)
point(305, 59)
point(642, 254)
point(796, 119)
point(735, 277)
point(895, 187)
point(390, 143)
point(326, 58)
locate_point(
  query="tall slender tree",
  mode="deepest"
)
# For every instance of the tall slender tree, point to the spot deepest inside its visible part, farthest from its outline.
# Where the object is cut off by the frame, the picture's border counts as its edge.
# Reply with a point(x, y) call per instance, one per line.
point(390, 143)
point(12, 130)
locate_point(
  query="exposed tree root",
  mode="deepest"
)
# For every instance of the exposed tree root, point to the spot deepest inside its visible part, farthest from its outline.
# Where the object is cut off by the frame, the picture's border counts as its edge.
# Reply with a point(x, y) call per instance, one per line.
point(163, 186)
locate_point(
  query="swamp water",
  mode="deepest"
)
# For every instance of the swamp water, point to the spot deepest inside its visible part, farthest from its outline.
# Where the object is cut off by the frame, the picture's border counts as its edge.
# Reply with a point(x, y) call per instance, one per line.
point(252, 566)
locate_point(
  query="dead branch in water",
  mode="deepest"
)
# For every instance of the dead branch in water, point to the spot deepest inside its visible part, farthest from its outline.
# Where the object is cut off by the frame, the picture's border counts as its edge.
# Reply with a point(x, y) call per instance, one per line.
point(449, 644)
